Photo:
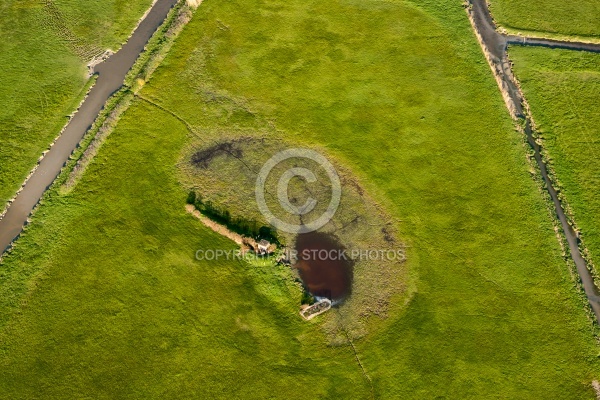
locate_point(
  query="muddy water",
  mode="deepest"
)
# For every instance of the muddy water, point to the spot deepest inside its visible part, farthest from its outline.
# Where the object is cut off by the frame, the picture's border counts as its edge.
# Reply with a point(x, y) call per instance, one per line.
point(111, 75)
point(497, 45)
point(322, 266)
point(554, 44)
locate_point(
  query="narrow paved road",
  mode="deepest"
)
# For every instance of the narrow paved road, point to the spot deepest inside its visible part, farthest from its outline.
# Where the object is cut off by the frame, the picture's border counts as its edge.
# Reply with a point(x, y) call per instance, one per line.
point(496, 44)
point(111, 76)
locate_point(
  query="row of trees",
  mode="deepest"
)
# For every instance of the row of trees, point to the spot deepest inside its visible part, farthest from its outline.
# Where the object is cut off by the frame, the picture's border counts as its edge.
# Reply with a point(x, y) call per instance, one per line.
point(245, 227)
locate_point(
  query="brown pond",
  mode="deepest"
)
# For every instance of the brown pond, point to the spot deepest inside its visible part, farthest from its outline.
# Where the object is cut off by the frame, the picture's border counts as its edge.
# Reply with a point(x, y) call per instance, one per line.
point(322, 266)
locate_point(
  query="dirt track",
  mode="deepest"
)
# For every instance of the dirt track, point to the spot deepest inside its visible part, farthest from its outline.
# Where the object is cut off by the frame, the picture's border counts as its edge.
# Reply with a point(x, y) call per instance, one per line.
point(497, 42)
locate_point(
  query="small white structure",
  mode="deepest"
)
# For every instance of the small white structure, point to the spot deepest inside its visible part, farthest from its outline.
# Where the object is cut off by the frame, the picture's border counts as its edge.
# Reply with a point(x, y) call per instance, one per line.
point(318, 308)
point(263, 247)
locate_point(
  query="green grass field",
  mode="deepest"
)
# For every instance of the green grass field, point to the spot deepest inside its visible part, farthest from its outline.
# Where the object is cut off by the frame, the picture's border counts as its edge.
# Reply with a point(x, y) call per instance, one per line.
point(553, 18)
point(563, 89)
point(43, 78)
point(102, 296)
point(106, 24)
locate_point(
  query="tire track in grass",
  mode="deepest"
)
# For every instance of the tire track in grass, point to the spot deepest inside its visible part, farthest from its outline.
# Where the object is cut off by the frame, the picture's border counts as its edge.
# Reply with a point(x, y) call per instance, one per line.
point(58, 24)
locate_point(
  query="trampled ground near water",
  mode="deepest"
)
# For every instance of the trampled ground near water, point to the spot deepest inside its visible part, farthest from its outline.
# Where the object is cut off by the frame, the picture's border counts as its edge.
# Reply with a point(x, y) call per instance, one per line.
point(563, 90)
point(102, 297)
point(43, 52)
point(553, 18)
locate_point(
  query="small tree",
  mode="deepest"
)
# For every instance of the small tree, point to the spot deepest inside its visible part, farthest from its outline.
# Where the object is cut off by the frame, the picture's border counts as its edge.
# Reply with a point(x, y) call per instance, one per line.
point(226, 216)
point(191, 199)
point(268, 233)
point(307, 298)
point(198, 203)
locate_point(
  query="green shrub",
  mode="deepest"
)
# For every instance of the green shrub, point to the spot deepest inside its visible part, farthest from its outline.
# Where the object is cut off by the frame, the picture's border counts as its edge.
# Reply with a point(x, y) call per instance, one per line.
point(307, 298)
point(243, 226)
point(191, 199)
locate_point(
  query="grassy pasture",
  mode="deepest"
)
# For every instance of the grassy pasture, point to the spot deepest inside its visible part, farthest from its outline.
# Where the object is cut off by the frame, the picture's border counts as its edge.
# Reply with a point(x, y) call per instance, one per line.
point(563, 90)
point(105, 24)
point(144, 319)
point(102, 296)
point(553, 18)
point(42, 78)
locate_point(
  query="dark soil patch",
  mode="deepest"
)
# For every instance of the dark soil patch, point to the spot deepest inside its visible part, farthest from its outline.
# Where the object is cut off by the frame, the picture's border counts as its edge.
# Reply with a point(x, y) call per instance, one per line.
point(202, 158)
point(387, 236)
